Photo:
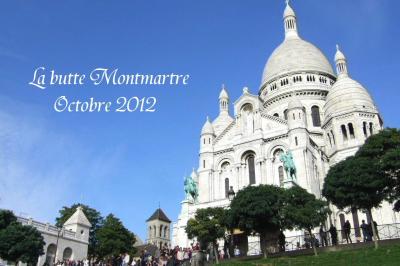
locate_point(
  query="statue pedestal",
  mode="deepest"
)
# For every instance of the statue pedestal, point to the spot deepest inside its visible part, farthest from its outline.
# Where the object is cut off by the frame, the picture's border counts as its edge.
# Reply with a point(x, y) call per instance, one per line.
point(179, 236)
point(289, 183)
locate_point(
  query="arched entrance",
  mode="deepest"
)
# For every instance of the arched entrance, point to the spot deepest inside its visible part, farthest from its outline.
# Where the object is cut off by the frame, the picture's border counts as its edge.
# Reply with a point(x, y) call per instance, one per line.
point(67, 254)
point(51, 254)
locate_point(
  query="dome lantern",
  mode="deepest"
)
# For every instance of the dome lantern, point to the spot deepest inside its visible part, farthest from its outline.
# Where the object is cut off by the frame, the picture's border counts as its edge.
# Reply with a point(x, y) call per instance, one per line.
point(223, 101)
point(341, 63)
point(289, 18)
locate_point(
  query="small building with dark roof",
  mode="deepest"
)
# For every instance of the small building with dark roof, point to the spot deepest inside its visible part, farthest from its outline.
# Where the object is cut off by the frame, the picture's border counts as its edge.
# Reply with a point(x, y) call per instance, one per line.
point(158, 229)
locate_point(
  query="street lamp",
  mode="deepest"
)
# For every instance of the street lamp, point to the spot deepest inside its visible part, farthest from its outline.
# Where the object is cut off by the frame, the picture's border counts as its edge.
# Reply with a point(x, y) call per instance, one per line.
point(59, 232)
point(231, 194)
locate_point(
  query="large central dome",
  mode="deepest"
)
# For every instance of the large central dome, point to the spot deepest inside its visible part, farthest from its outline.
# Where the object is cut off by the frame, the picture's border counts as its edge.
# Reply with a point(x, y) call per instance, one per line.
point(295, 55)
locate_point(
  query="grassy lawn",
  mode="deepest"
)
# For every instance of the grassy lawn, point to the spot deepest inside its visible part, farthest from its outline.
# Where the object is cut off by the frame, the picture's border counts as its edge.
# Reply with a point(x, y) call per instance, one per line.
point(384, 256)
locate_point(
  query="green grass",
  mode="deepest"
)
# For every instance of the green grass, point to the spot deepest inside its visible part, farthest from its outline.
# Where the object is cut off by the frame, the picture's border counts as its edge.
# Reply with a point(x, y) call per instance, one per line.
point(384, 256)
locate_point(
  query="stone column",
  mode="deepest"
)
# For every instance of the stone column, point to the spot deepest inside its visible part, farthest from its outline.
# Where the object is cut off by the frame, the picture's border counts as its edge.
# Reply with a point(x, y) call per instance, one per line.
point(237, 177)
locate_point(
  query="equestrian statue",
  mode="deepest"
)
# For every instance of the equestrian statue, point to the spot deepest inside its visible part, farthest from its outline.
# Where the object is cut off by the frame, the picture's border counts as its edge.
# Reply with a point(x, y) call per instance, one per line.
point(191, 189)
point(288, 164)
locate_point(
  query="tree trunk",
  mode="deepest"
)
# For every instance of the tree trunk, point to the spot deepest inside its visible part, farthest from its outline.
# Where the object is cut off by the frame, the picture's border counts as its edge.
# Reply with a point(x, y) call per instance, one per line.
point(264, 240)
point(313, 242)
point(215, 254)
point(373, 230)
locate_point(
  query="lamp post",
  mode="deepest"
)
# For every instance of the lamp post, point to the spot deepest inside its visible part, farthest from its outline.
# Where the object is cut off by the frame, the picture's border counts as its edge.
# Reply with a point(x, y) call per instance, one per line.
point(231, 196)
point(231, 193)
point(59, 231)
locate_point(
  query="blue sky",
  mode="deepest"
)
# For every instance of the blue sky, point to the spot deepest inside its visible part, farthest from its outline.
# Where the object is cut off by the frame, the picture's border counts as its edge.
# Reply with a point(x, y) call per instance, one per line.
point(128, 163)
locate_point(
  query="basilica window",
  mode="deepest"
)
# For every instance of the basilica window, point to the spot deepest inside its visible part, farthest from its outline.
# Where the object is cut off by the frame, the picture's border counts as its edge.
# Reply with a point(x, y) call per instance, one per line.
point(251, 169)
point(333, 138)
point(344, 132)
point(276, 115)
point(297, 79)
point(316, 117)
point(281, 175)
point(204, 163)
point(365, 129)
point(226, 187)
point(371, 128)
point(296, 141)
point(330, 140)
point(285, 114)
point(351, 130)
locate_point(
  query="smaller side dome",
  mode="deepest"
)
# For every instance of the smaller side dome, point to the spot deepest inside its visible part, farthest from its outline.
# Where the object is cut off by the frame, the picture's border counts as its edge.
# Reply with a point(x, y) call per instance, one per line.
point(295, 104)
point(347, 95)
point(207, 128)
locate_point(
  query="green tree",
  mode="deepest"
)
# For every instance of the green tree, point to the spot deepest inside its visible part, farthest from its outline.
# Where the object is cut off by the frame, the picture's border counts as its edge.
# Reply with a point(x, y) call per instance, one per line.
point(113, 238)
point(94, 218)
point(21, 243)
point(6, 218)
point(304, 211)
point(258, 209)
point(356, 183)
point(207, 226)
point(383, 149)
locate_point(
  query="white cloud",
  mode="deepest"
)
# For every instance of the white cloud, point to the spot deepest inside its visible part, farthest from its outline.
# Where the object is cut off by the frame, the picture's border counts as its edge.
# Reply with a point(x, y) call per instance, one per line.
point(40, 166)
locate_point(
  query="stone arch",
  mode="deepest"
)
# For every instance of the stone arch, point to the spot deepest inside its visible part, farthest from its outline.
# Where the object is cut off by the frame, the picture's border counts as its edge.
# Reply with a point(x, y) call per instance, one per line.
point(51, 254)
point(276, 145)
point(249, 159)
point(223, 160)
point(245, 105)
point(67, 253)
point(247, 117)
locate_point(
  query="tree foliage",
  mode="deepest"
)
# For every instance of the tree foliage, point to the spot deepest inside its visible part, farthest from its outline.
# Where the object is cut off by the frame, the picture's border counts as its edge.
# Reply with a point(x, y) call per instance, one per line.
point(19, 242)
point(383, 149)
point(257, 209)
point(355, 183)
point(113, 238)
point(207, 226)
point(303, 210)
point(94, 217)
point(6, 218)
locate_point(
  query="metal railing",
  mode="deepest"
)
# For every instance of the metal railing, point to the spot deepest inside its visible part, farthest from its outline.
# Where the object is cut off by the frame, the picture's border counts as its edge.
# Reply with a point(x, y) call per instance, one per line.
point(384, 231)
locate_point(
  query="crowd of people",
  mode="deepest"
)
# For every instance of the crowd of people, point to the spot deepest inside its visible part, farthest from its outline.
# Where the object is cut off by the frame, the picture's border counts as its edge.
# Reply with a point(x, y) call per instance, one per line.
point(68, 262)
point(330, 237)
point(170, 257)
point(195, 256)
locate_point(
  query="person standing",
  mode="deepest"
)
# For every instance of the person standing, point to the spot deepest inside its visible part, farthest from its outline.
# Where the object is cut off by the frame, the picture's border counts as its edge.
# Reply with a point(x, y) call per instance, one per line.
point(347, 230)
point(323, 236)
point(236, 251)
point(365, 231)
point(333, 232)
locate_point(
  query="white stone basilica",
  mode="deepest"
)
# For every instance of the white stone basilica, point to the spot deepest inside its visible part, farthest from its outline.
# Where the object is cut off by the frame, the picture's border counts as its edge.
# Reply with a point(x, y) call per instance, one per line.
point(303, 107)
